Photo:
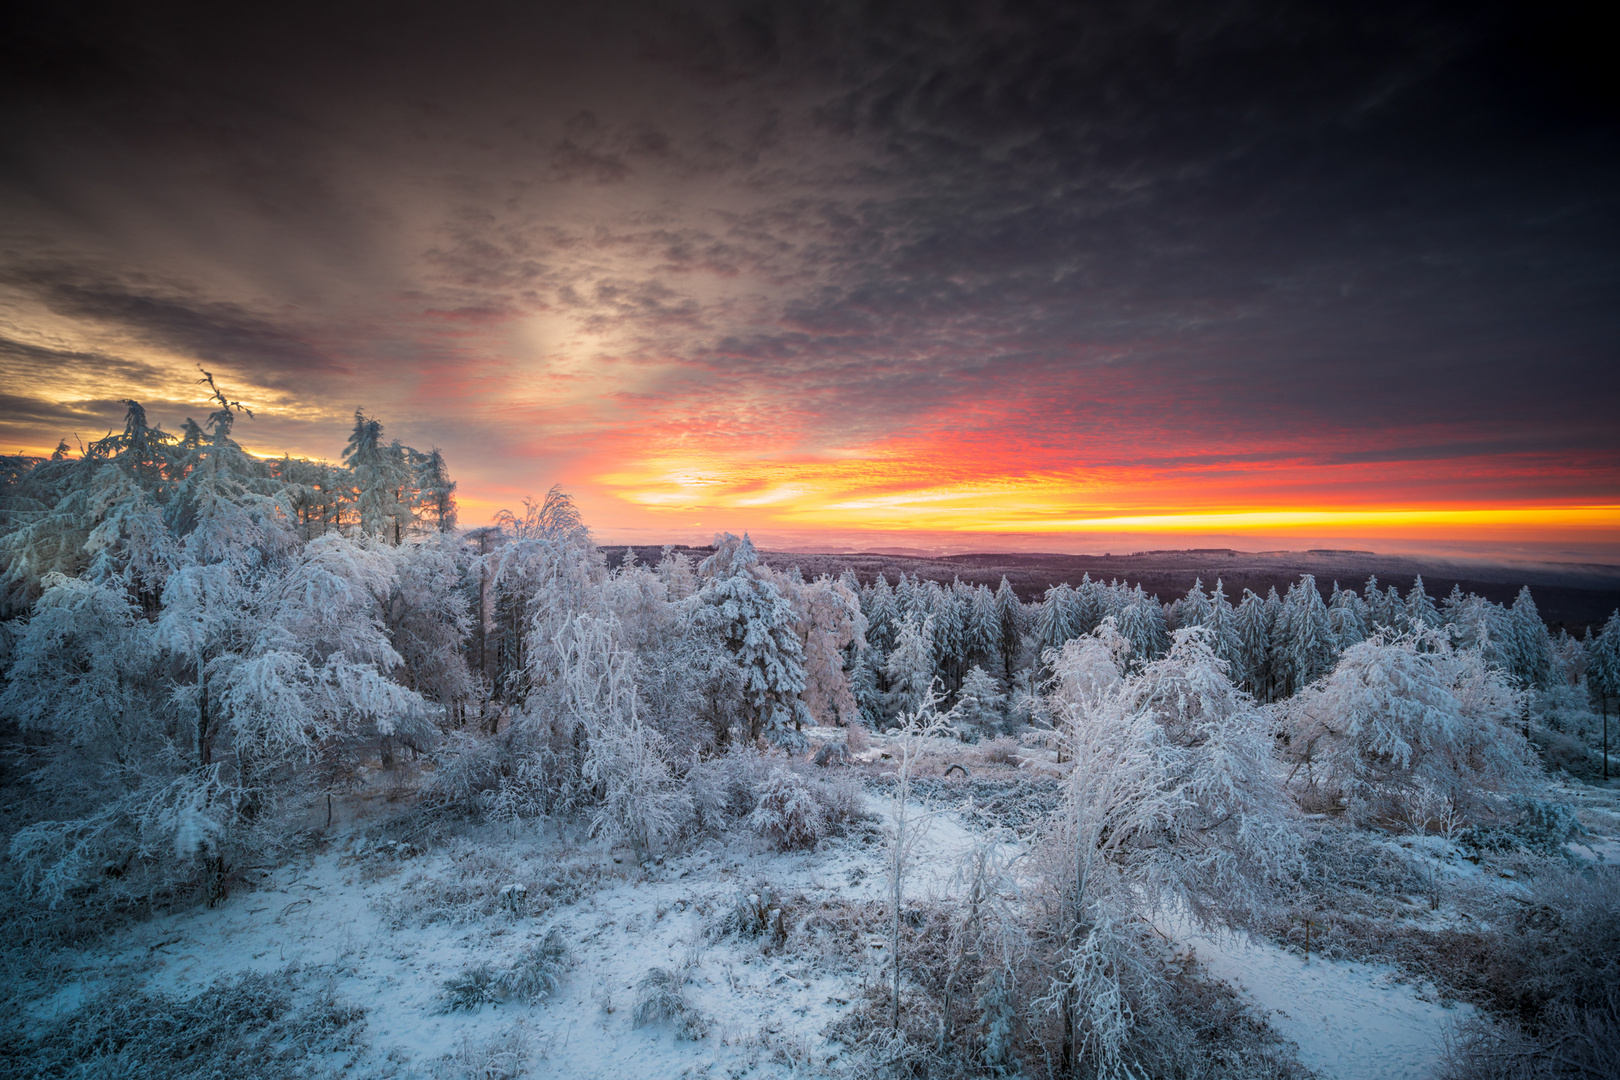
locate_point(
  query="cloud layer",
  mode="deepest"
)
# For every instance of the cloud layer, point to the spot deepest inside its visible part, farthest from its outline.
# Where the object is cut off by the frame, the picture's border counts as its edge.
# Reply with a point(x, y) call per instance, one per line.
point(836, 266)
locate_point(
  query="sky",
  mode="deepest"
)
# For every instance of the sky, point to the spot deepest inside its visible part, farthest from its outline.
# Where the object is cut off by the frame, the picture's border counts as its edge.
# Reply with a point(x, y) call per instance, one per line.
point(959, 276)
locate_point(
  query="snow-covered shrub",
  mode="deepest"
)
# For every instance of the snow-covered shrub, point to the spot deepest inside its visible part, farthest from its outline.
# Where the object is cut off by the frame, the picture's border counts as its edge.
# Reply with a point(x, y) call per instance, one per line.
point(537, 972)
point(831, 753)
point(857, 738)
point(275, 1025)
point(843, 802)
point(505, 1056)
point(760, 912)
point(725, 787)
point(788, 813)
point(999, 751)
point(998, 1017)
point(1553, 986)
point(661, 998)
point(1403, 715)
point(1545, 825)
point(473, 986)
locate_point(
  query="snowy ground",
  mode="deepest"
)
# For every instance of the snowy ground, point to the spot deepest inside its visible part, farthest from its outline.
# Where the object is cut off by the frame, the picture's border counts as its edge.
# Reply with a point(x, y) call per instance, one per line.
point(388, 930)
point(387, 925)
point(1350, 1021)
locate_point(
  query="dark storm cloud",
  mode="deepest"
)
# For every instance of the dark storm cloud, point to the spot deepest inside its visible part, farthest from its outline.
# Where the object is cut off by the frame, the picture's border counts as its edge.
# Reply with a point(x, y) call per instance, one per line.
point(1251, 219)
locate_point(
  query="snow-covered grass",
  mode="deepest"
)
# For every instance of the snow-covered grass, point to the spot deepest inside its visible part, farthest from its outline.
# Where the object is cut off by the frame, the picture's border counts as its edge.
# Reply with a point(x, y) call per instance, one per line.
point(505, 950)
point(432, 951)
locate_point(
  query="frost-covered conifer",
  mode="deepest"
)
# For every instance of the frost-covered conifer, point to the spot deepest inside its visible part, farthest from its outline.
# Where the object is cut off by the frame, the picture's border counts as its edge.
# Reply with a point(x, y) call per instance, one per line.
point(1010, 618)
point(756, 624)
point(1312, 646)
point(1347, 617)
point(1253, 621)
point(983, 627)
point(1192, 609)
point(1421, 614)
point(1054, 624)
point(911, 666)
point(981, 706)
point(1142, 622)
point(1221, 623)
point(882, 617)
point(905, 598)
point(1089, 605)
point(1531, 644)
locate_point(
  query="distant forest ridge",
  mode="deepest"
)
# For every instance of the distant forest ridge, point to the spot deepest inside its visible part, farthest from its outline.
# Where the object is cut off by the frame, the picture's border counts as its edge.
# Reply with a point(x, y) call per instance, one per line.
point(1571, 596)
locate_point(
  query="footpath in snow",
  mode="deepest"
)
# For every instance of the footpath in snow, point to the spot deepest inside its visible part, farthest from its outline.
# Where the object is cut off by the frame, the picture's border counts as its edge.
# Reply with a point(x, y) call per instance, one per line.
point(1351, 1021)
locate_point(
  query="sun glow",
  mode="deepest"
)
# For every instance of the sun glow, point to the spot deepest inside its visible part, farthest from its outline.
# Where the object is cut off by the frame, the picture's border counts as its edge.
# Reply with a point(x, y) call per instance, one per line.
point(884, 494)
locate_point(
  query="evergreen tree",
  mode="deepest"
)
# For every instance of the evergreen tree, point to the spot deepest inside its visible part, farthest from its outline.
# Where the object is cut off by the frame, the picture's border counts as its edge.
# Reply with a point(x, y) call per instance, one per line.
point(1221, 622)
point(911, 666)
point(1054, 625)
point(1347, 615)
point(949, 635)
point(984, 627)
point(1088, 606)
point(381, 476)
point(1378, 613)
point(756, 623)
point(1421, 614)
point(1142, 624)
point(1603, 673)
point(1253, 624)
point(1010, 620)
point(863, 684)
point(1192, 609)
point(980, 707)
point(1532, 645)
point(882, 615)
point(1312, 645)
point(436, 492)
point(905, 598)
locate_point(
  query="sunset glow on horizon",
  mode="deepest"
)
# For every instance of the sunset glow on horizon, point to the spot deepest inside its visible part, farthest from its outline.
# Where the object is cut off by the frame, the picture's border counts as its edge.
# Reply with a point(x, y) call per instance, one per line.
point(1034, 277)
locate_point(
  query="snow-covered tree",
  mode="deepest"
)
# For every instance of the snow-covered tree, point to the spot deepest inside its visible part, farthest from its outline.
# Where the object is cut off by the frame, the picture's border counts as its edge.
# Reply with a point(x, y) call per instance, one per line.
point(1221, 622)
point(1142, 622)
point(1347, 617)
point(1311, 647)
point(1253, 623)
point(1531, 649)
point(1010, 617)
point(1421, 614)
point(1192, 609)
point(910, 666)
point(829, 623)
point(436, 492)
point(1169, 798)
point(638, 798)
point(756, 623)
point(1232, 835)
point(882, 618)
point(382, 476)
point(1400, 717)
point(1603, 668)
point(981, 706)
point(1054, 623)
point(983, 628)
